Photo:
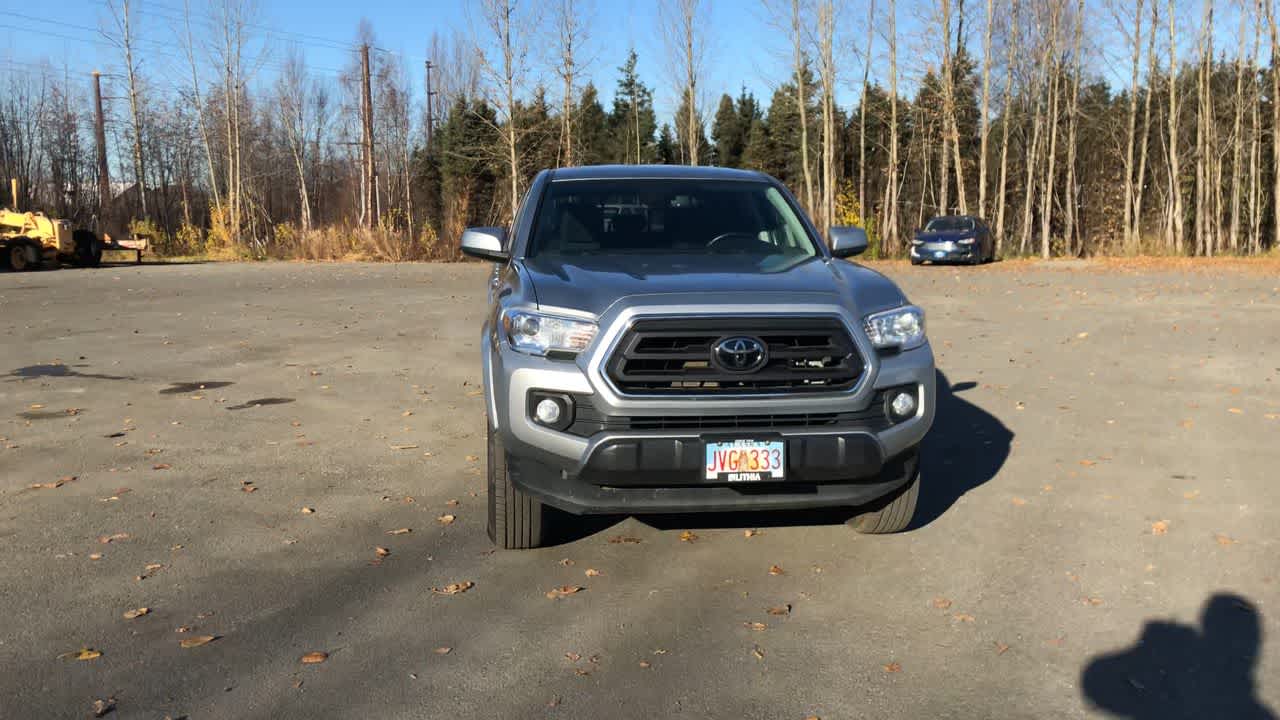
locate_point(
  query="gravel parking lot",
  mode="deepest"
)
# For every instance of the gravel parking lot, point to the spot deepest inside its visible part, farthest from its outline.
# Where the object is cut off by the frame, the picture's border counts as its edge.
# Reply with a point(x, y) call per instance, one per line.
point(227, 445)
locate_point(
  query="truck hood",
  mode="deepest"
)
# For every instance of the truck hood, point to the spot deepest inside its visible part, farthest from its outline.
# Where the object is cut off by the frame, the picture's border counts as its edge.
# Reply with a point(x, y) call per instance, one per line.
point(592, 283)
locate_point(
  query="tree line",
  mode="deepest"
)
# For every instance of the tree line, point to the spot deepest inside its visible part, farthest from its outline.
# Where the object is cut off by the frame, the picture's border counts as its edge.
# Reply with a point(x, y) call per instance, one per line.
point(1074, 127)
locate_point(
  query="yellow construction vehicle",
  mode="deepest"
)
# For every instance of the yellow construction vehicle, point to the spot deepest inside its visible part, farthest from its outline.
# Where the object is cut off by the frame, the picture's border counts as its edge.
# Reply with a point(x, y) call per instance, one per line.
point(31, 240)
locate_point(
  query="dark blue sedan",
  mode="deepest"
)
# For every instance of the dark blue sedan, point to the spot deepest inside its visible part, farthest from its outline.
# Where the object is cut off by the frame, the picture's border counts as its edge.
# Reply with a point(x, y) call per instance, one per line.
point(953, 239)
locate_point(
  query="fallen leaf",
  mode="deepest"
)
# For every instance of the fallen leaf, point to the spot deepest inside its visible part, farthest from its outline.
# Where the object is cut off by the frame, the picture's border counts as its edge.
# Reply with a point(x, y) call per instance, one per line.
point(1088, 463)
point(406, 413)
point(623, 540)
point(893, 667)
point(404, 447)
point(95, 556)
point(592, 572)
point(1001, 648)
point(152, 567)
point(473, 458)
point(941, 603)
point(750, 533)
point(659, 651)
point(248, 486)
point(572, 656)
point(46, 485)
point(553, 702)
point(644, 664)
point(84, 653)
point(444, 650)
point(1160, 527)
point(1188, 423)
point(1191, 494)
point(314, 657)
point(1225, 539)
point(36, 406)
point(563, 591)
point(780, 609)
point(1094, 601)
point(776, 570)
point(102, 707)
point(1082, 335)
point(308, 510)
point(136, 613)
point(757, 626)
point(161, 466)
point(566, 562)
point(1272, 416)
point(182, 629)
point(581, 672)
point(381, 551)
point(1018, 501)
point(451, 503)
point(963, 617)
point(399, 531)
point(197, 640)
point(687, 536)
point(454, 588)
point(757, 652)
point(446, 519)
point(113, 538)
point(1235, 411)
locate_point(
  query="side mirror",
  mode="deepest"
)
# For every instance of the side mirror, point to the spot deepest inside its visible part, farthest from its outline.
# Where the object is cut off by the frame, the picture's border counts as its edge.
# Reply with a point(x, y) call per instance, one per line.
point(485, 243)
point(847, 241)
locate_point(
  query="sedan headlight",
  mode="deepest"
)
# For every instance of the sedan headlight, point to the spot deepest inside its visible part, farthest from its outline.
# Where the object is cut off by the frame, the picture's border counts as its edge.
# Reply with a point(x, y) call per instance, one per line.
point(968, 241)
point(539, 334)
point(901, 328)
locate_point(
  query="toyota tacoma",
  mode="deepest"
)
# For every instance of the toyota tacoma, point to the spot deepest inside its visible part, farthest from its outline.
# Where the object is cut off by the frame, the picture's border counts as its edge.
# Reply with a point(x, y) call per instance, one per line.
point(676, 339)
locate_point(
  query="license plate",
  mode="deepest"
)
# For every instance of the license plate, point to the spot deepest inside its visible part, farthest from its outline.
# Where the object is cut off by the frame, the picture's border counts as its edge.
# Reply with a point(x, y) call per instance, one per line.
point(746, 461)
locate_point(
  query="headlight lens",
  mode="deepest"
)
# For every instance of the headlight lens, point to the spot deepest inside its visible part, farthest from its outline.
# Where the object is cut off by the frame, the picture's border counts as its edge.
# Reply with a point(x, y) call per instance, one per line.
point(901, 328)
point(539, 334)
point(968, 241)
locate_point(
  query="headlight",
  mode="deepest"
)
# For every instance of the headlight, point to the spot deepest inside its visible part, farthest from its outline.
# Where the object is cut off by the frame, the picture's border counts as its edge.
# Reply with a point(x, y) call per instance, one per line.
point(901, 328)
point(539, 334)
point(968, 241)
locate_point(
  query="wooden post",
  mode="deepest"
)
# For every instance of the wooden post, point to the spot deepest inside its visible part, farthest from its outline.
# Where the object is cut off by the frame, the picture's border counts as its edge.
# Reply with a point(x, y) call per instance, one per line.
point(369, 199)
point(100, 138)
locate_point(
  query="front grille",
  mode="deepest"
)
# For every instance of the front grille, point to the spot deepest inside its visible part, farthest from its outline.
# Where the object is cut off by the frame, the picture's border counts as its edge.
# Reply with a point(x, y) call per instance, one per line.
point(673, 356)
point(588, 421)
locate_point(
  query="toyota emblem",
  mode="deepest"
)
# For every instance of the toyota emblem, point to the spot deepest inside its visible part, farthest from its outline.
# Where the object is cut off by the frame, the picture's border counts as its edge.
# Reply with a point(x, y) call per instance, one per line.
point(740, 354)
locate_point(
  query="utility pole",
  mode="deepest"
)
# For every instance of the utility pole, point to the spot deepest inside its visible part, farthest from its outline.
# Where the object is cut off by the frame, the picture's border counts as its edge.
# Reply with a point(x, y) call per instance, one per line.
point(368, 192)
point(100, 137)
point(431, 118)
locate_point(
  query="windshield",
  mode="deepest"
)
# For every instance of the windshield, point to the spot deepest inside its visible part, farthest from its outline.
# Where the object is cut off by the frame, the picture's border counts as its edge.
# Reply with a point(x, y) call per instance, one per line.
point(667, 217)
point(949, 224)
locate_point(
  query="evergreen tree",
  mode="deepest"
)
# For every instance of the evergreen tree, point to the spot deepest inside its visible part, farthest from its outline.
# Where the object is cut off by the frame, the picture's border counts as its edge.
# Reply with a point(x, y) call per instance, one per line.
point(593, 137)
point(728, 134)
point(668, 153)
point(633, 120)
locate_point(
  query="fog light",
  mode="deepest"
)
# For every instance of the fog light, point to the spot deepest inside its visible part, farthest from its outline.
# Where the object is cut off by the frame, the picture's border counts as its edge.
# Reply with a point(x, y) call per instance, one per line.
point(903, 405)
point(548, 411)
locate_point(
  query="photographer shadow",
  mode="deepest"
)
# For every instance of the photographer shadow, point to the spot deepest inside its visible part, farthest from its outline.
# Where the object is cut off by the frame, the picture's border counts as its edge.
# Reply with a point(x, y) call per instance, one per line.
point(1177, 671)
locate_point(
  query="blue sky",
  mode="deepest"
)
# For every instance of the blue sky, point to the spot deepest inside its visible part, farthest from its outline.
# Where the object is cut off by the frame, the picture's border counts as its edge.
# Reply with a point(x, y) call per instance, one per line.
point(743, 49)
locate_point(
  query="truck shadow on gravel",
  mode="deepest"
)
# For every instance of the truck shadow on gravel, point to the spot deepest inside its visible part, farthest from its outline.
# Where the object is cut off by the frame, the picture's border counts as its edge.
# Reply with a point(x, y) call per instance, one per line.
point(1179, 671)
point(966, 447)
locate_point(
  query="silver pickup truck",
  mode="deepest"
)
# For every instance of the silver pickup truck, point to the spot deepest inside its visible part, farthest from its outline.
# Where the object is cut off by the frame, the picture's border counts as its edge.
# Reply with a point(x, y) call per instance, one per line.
point(675, 339)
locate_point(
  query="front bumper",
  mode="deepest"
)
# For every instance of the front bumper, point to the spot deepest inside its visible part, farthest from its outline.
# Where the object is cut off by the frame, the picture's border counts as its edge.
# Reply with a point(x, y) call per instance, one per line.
point(945, 252)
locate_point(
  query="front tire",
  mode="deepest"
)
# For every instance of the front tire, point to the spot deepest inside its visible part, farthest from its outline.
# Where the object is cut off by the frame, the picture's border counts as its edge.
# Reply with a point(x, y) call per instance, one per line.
point(21, 255)
point(895, 515)
point(516, 520)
